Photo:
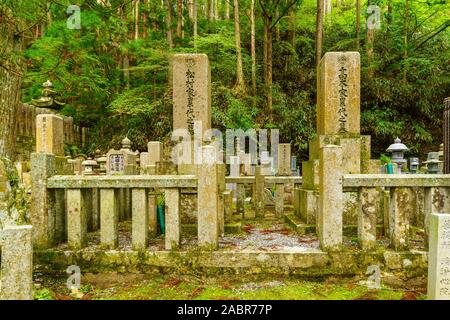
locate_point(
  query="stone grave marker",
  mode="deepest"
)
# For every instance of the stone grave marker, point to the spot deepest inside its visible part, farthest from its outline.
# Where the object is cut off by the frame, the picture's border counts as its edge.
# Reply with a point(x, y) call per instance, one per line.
point(439, 257)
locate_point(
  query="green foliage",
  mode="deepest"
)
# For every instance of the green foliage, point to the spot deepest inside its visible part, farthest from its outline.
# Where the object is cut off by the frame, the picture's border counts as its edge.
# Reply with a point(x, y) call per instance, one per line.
point(402, 85)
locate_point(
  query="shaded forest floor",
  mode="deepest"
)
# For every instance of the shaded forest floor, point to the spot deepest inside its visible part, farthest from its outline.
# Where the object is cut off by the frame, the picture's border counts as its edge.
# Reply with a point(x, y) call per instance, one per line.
point(114, 286)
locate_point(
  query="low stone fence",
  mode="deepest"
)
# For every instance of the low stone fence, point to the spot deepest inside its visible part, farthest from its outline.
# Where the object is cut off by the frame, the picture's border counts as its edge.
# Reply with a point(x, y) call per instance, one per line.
point(16, 277)
point(405, 201)
point(112, 204)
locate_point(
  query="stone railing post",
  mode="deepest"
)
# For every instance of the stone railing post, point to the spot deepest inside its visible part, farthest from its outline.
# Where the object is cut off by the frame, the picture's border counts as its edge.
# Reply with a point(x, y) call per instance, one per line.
point(109, 218)
point(208, 199)
point(367, 217)
point(439, 257)
point(140, 217)
point(221, 205)
point(77, 219)
point(331, 197)
point(279, 199)
point(173, 219)
point(401, 204)
point(17, 263)
point(240, 198)
point(259, 193)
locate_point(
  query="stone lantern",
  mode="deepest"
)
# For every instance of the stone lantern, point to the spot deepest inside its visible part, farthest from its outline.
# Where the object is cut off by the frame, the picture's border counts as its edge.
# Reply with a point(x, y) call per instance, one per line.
point(102, 164)
point(413, 165)
point(126, 144)
point(398, 149)
point(88, 166)
point(433, 162)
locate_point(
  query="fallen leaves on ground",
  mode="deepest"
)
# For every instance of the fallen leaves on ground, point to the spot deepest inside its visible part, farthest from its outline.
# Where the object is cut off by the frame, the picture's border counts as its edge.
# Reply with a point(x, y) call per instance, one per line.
point(172, 282)
point(194, 294)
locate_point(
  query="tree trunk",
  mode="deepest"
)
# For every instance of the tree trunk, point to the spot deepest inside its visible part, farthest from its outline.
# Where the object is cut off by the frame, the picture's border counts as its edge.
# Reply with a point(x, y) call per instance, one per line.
point(253, 45)
point(179, 18)
point(358, 22)
point(370, 35)
point(406, 27)
point(195, 18)
point(319, 32)
point(268, 62)
point(227, 9)
point(208, 10)
point(145, 19)
point(136, 20)
point(10, 82)
point(169, 21)
point(239, 87)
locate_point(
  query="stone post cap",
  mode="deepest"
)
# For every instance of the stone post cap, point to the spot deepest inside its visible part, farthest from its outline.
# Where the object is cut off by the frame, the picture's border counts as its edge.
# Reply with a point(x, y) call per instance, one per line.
point(13, 229)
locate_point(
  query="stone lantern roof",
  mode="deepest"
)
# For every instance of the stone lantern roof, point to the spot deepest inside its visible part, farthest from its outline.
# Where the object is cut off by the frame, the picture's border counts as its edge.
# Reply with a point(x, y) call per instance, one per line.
point(397, 146)
point(126, 143)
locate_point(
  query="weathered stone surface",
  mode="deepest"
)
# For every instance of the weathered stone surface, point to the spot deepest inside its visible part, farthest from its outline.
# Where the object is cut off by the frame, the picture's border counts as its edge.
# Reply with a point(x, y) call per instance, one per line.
point(310, 174)
point(439, 257)
point(330, 198)
point(284, 159)
point(367, 217)
point(173, 219)
point(228, 205)
point(105, 182)
point(76, 219)
point(240, 198)
point(208, 198)
point(308, 206)
point(191, 81)
point(396, 180)
point(436, 200)
point(351, 208)
point(338, 98)
point(155, 150)
point(43, 166)
point(400, 204)
point(109, 218)
point(279, 199)
point(351, 159)
point(297, 202)
point(16, 263)
point(50, 134)
point(221, 173)
point(139, 219)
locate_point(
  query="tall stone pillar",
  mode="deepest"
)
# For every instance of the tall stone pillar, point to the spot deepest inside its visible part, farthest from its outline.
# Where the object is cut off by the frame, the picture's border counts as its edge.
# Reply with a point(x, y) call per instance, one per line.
point(331, 197)
point(446, 135)
point(208, 198)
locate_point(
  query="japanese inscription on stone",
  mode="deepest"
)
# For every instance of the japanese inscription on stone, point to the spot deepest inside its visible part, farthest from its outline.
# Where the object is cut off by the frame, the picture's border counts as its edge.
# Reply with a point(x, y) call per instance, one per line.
point(343, 94)
point(190, 91)
point(116, 163)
